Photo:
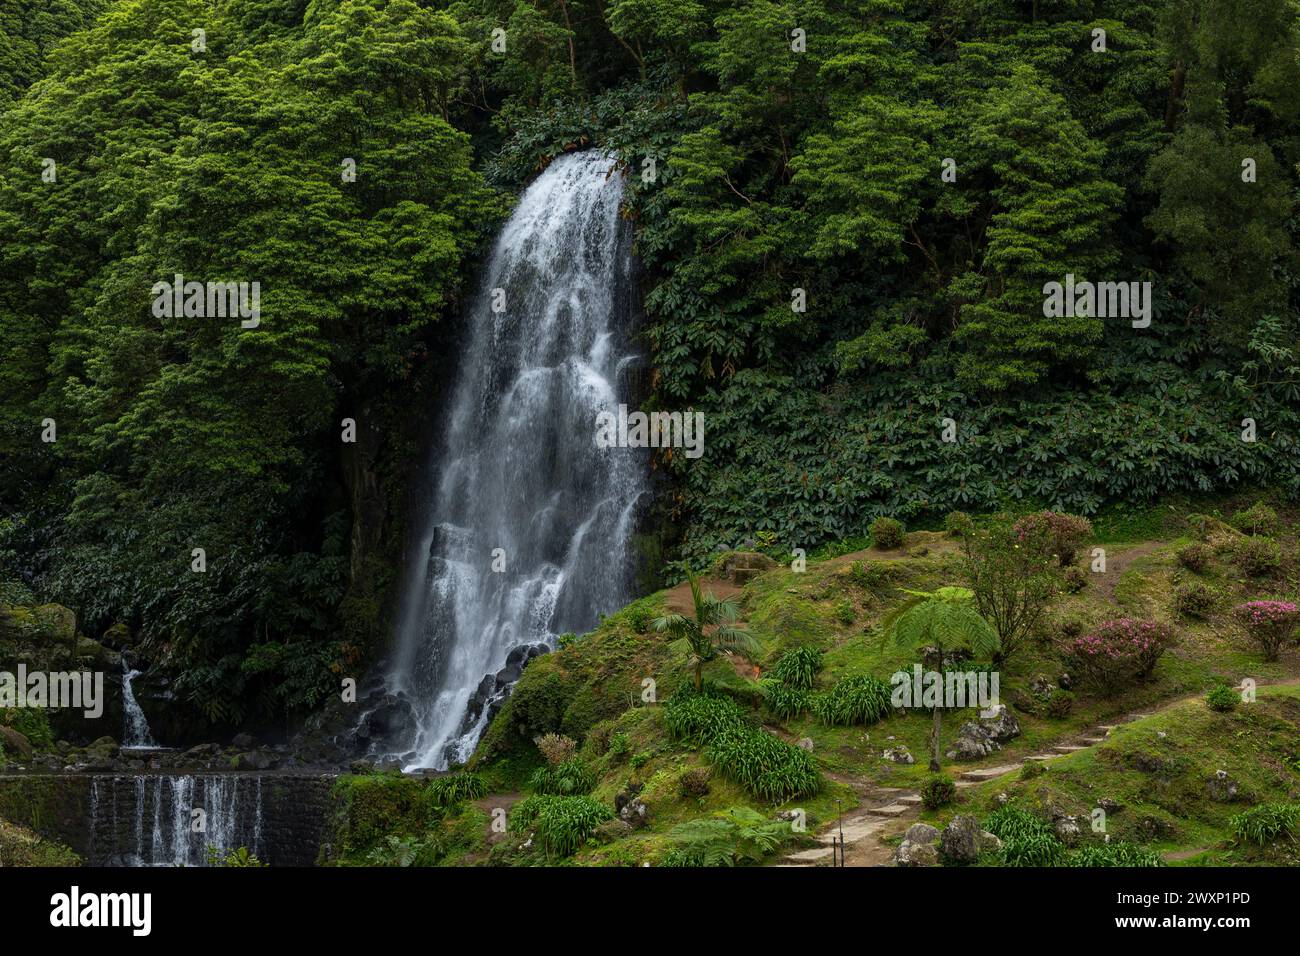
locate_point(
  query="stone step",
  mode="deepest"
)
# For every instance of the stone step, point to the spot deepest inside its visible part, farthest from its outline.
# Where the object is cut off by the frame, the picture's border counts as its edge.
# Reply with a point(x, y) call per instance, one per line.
point(1069, 748)
point(811, 856)
point(1107, 728)
point(1039, 758)
point(988, 773)
point(853, 832)
point(911, 799)
point(1092, 741)
point(893, 810)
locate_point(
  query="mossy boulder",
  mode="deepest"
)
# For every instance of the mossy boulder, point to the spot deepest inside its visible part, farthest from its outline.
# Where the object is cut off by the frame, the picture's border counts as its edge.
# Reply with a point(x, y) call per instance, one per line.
point(14, 743)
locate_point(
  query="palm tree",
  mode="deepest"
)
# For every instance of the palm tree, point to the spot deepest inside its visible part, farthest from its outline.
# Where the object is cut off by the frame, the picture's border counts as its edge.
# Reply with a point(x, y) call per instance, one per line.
point(709, 631)
point(945, 619)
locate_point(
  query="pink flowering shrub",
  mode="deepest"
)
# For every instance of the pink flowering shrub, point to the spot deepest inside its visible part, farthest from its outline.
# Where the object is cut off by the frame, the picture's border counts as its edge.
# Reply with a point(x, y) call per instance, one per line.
point(1270, 624)
point(1120, 651)
point(1060, 533)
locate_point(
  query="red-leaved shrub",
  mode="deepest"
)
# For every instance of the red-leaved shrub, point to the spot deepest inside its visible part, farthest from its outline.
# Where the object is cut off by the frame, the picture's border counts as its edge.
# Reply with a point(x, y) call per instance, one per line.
point(1120, 651)
point(1270, 624)
point(1062, 533)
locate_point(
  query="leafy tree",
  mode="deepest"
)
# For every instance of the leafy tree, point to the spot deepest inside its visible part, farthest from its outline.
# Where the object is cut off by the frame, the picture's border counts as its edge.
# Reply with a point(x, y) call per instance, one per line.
point(947, 620)
point(709, 630)
point(1014, 574)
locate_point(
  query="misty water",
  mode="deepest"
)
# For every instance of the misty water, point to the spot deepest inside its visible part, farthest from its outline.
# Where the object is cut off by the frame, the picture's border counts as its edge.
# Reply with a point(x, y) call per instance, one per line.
point(528, 529)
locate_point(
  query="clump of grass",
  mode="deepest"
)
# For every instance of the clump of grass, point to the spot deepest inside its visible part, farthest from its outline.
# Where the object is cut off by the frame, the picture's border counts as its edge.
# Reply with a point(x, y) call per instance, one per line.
point(563, 779)
point(1120, 853)
point(854, 700)
point(1266, 823)
point(798, 667)
point(783, 701)
point(1026, 840)
point(758, 761)
point(561, 824)
point(455, 787)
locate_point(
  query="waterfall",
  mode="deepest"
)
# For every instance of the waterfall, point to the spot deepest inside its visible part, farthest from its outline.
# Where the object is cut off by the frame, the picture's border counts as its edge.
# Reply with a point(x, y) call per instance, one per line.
point(529, 525)
point(135, 730)
point(149, 819)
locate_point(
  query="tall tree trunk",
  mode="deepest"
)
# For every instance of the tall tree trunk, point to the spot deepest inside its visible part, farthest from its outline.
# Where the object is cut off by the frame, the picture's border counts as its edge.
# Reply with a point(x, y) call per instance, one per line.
point(934, 739)
point(1176, 83)
point(573, 60)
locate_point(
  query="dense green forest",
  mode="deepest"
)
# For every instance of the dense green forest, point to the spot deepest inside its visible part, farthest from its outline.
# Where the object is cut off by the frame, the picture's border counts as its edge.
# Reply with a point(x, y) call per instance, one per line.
point(845, 215)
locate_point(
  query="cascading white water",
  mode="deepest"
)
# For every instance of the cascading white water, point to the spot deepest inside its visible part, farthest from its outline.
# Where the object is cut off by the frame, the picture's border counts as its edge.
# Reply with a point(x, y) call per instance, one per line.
point(529, 530)
point(135, 731)
point(160, 829)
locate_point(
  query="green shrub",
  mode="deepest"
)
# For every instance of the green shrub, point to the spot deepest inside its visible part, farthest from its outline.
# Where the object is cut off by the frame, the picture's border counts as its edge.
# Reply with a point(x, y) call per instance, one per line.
point(798, 667)
point(1223, 699)
point(757, 760)
point(563, 824)
point(698, 718)
point(1120, 853)
point(1195, 599)
point(1026, 840)
point(1074, 579)
point(737, 835)
point(783, 701)
point(1259, 519)
point(872, 575)
point(240, 857)
point(1032, 768)
point(556, 748)
point(1013, 823)
point(853, 700)
point(1195, 557)
point(619, 746)
point(455, 787)
point(1059, 704)
point(640, 618)
point(958, 524)
point(886, 534)
point(1263, 825)
point(1061, 534)
point(1015, 574)
point(563, 779)
point(1257, 557)
point(763, 764)
point(845, 613)
point(938, 792)
point(693, 783)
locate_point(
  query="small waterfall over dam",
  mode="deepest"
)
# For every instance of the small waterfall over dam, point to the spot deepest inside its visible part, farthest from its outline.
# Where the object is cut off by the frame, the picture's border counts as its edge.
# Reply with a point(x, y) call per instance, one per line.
point(150, 819)
point(528, 533)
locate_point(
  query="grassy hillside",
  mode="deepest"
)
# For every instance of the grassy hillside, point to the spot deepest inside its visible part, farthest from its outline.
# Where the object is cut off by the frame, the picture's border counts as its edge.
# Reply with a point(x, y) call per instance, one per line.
point(611, 696)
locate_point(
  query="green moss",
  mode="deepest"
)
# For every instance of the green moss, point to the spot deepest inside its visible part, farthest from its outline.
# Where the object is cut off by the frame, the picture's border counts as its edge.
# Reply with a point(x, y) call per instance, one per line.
point(21, 847)
point(1161, 783)
point(370, 807)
